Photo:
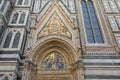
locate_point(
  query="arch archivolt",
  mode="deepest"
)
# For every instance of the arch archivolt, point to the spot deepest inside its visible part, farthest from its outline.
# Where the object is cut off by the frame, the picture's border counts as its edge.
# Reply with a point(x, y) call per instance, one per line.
point(64, 48)
point(49, 38)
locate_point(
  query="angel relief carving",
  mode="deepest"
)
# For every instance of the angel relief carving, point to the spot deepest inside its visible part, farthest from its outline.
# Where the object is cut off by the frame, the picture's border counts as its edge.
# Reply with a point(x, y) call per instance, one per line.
point(54, 26)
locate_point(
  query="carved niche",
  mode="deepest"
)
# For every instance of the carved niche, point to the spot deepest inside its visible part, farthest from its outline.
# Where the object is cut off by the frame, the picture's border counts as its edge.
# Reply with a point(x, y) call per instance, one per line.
point(54, 26)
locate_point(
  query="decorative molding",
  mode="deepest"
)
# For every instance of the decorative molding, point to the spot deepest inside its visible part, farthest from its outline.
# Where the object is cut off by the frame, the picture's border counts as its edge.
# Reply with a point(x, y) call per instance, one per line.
point(99, 49)
point(62, 71)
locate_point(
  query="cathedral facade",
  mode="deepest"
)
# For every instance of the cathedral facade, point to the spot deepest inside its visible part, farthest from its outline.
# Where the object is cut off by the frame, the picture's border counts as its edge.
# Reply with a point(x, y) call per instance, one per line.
point(59, 39)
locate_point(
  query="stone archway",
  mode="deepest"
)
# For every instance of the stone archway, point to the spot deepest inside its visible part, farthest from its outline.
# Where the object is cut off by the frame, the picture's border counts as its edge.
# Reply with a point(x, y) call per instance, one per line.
point(57, 46)
point(62, 48)
point(54, 74)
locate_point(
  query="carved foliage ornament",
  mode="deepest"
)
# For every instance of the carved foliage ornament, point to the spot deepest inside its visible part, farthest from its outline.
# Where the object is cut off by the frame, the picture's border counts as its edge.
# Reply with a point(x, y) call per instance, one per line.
point(54, 26)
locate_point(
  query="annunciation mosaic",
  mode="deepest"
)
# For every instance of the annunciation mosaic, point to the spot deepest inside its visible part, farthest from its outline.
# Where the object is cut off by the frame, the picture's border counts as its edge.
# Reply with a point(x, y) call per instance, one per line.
point(53, 61)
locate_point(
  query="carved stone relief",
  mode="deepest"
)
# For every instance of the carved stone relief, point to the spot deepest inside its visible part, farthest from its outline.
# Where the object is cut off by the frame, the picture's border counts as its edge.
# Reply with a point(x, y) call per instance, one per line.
point(54, 26)
point(8, 76)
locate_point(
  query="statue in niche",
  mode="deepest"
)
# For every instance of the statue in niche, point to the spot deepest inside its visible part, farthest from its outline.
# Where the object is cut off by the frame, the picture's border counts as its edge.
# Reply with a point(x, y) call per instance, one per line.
point(54, 26)
point(53, 61)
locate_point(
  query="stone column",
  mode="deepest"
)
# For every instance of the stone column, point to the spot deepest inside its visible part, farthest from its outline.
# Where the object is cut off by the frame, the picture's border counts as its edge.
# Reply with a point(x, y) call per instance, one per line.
point(78, 70)
point(25, 72)
point(29, 71)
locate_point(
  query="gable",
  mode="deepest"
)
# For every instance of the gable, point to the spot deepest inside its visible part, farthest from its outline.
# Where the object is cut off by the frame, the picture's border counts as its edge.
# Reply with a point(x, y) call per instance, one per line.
point(54, 26)
point(54, 22)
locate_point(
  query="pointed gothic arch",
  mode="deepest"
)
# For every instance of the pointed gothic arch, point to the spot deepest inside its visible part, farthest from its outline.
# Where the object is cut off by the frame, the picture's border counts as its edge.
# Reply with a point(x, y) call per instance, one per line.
point(61, 46)
point(64, 50)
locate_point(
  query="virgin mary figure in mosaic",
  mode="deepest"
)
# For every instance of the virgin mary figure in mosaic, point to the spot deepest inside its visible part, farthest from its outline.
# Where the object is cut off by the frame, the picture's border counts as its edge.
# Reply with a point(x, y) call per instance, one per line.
point(53, 61)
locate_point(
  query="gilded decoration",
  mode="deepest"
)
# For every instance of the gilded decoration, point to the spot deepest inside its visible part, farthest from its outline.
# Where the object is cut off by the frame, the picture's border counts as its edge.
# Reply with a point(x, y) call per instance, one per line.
point(54, 26)
point(53, 61)
point(55, 78)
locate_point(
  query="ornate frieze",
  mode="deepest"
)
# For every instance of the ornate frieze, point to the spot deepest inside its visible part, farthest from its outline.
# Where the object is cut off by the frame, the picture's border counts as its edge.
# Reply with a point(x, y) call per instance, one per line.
point(62, 71)
point(55, 78)
point(99, 49)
